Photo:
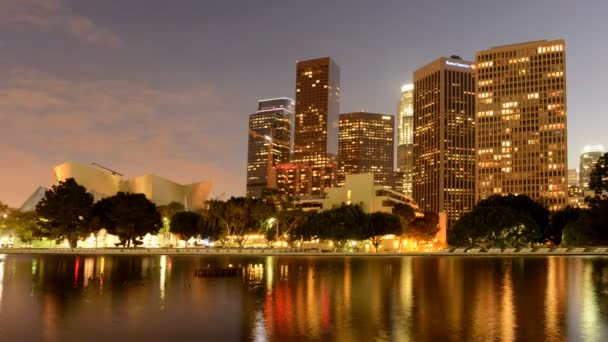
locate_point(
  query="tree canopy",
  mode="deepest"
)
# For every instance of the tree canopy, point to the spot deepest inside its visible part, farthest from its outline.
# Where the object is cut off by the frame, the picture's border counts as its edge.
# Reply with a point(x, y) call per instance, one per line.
point(343, 223)
point(598, 179)
point(126, 215)
point(501, 220)
point(381, 224)
point(187, 225)
point(423, 228)
point(65, 210)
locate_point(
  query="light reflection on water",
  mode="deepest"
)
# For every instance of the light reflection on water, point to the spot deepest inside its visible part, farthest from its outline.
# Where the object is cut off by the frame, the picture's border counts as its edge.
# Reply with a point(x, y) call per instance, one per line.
point(72, 298)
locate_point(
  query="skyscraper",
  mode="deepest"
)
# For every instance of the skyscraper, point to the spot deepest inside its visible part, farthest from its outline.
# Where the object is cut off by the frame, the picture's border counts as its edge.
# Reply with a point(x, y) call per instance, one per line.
point(269, 142)
point(444, 137)
point(589, 156)
point(316, 120)
point(405, 138)
point(521, 121)
point(366, 144)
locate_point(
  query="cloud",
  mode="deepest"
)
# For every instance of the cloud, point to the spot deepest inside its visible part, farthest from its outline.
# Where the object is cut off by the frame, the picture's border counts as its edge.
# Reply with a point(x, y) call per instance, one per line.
point(132, 127)
point(55, 15)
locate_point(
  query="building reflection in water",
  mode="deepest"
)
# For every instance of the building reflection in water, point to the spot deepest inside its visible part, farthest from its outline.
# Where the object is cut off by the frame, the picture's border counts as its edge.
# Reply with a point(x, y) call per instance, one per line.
point(1, 280)
point(304, 298)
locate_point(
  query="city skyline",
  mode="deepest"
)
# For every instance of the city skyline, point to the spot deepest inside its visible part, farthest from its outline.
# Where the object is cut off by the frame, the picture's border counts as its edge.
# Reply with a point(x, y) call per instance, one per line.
point(80, 81)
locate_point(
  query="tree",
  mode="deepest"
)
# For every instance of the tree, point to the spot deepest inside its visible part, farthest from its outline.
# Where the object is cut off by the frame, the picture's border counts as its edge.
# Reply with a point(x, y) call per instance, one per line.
point(262, 212)
point(598, 179)
point(423, 228)
point(289, 222)
point(27, 226)
point(343, 223)
point(235, 218)
point(168, 210)
point(186, 224)
point(65, 209)
point(307, 229)
point(405, 212)
point(590, 228)
point(4, 212)
point(523, 205)
point(559, 220)
point(126, 215)
point(381, 224)
point(503, 220)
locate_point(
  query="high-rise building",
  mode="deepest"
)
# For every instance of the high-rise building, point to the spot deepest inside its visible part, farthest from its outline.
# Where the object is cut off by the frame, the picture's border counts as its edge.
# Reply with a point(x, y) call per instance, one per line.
point(589, 156)
point(575, 193)
point(366, 144)
point(521, 121)
point(316, 120)
point(405, 139)
point(572, 177)
point(269, 142)
point(444, 137)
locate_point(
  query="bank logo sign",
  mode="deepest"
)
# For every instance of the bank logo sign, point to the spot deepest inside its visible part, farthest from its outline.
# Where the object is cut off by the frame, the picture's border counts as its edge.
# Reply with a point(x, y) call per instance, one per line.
point(456, 64)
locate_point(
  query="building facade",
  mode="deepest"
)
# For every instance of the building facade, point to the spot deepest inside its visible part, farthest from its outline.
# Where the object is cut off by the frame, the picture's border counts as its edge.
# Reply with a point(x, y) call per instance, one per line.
point(358, 189)
point(269, 142)
point(405, 140)
point(521, 121)
point(366, 144)
point(444, 137)
point(316, 120)
point(589, 156)
point(103, 183)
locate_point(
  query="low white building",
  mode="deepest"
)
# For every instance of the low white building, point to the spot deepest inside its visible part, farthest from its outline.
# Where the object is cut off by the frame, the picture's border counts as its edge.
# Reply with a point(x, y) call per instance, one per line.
point(358, 189)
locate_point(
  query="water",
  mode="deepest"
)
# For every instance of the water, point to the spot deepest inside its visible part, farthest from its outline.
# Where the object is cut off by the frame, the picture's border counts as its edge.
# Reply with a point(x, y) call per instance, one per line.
point(71, 298)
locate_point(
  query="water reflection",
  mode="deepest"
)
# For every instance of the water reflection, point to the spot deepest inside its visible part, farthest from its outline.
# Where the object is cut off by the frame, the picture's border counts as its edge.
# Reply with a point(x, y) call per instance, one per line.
point(69, 298)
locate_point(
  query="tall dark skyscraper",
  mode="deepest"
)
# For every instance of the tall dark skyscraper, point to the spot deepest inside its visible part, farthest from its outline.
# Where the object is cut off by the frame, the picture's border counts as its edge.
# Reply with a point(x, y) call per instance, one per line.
point(444, 137)
point(521, 121)
point(316, 120)
point(366, 144)
point(269, 142)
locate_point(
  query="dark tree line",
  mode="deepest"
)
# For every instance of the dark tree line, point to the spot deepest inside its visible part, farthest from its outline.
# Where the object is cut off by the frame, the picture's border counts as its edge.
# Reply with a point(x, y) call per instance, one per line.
point(519, 220)
point(68, 212)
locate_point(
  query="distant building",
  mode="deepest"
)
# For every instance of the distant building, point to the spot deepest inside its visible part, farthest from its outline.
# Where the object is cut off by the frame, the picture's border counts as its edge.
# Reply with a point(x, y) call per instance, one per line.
point(316, 120)
point(105, 183)
point(575, 192)
point(358, 189)
point(444, 137)
point(292, 180)
point(405, 140)
point(269, 142)
point(572, 177)
point(366, 144)
point(521, 121)
point(588, 159)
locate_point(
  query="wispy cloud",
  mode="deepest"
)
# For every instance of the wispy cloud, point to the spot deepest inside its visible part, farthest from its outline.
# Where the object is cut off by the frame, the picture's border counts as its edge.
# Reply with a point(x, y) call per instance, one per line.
point(56, 15)
point(133, 127)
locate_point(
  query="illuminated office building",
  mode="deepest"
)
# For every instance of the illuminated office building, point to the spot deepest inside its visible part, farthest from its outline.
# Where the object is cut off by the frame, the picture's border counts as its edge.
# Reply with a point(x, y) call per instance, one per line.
point(269, 142)
point(366, 144)
point(316, 120)
point(521, 121)
point(589, 156)
point(405, 139)
point(575, 192)
point(444, 137)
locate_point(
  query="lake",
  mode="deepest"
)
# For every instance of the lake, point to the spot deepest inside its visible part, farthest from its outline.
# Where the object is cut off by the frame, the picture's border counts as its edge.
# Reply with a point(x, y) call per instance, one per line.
point(283, 298)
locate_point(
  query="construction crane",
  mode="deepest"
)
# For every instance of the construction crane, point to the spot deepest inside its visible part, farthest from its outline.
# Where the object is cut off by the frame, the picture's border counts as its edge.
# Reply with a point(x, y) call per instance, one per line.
point(114, 173)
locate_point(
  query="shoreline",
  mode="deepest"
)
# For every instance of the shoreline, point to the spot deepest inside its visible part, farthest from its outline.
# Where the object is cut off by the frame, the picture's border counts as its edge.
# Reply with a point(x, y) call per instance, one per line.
point(597, 251)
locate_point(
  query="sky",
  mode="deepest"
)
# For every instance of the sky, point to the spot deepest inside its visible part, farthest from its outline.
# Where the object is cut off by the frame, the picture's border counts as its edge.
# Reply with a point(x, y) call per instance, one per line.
point(166, 87)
